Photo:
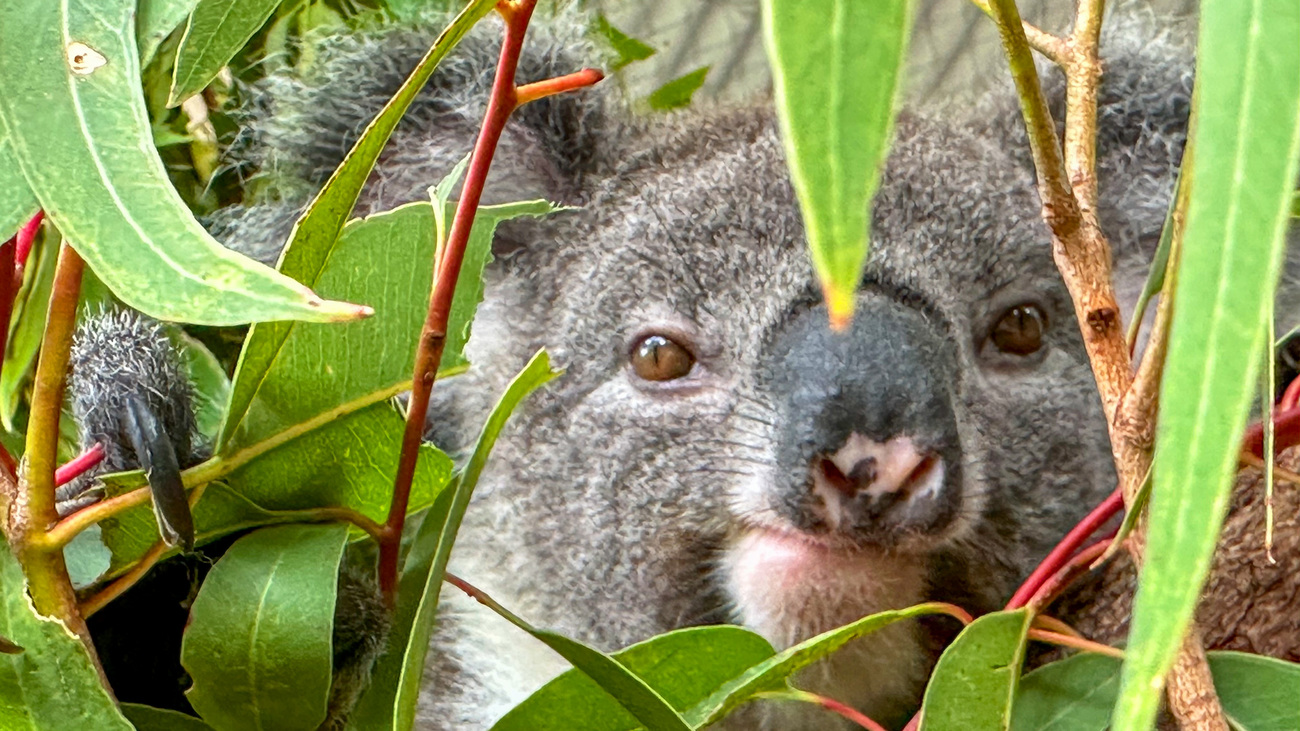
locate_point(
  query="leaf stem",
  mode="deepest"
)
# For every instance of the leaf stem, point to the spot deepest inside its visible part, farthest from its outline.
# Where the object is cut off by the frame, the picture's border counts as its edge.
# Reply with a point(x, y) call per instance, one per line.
point(79, 465)
point(1077, 643)
point(504, 99)
point(830, 704)
point(1061, 554)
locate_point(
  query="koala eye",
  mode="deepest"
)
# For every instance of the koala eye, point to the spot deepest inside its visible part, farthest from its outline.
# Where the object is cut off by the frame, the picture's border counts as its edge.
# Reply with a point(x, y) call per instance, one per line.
point(1020, 330)
point(657, 358)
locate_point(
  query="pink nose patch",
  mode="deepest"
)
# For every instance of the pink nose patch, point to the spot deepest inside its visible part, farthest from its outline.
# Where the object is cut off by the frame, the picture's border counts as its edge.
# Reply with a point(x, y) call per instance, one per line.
point(863, 466)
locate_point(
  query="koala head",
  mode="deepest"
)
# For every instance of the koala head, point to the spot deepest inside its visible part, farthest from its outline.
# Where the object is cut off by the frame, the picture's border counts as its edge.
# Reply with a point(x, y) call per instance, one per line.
point(715, 452)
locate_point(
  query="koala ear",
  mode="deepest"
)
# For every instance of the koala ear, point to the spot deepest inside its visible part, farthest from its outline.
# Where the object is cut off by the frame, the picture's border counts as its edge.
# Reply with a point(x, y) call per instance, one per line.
point(302, 124)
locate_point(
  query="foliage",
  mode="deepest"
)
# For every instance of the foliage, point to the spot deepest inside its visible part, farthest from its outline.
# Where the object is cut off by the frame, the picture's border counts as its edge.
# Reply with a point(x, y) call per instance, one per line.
point(304, 427)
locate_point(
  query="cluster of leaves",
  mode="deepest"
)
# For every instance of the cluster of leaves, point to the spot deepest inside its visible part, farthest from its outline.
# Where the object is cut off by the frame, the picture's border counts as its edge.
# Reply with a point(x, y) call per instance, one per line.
point(304, 423)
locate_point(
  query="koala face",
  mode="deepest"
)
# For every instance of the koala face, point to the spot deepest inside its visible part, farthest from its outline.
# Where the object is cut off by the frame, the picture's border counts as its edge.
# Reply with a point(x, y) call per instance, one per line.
point(716, 453)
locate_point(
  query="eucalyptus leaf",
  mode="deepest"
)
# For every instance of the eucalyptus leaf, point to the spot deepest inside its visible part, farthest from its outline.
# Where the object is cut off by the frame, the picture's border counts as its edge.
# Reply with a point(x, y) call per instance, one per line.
point(347, 461)
point(628, 49)
point(1247, 143)
point(1074, 694)
point(217, 29)
point(289, 374)
point(773, 672)
point(27, 325)
point(391, 700)
point(677, 94)
point(51, 683)
point(86, 150)
point(148, 718)
point(17, 203)
point(259, 638)
point(974, 684)
point(683, 667)
point(155, 20)
point(1257, 692)
point(836, 66)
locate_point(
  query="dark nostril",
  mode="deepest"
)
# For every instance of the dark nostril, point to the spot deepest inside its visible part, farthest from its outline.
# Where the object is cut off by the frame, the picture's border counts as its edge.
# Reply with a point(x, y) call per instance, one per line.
point(861, 477)
point(863, 473)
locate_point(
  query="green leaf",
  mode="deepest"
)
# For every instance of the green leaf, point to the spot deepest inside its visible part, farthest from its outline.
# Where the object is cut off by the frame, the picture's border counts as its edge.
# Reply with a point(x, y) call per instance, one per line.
point(71, 100)
point(312, 239)
point(772, 673)
point(1075, 694)
point(87, 557)
point(1247, 142)
point(683, 667)
point(1259, 693)
point(289, 373)
point(155, 20)
point(211, 384)
point(52, 683)
point(678, 93)
point(836, 66)
point(390, 701)
point(627, 48)
point(17, 204)
point(216, 31)
point(27, 325)
point(347, 461)
point(148, 718)
point(258, 643)
point(974, 683)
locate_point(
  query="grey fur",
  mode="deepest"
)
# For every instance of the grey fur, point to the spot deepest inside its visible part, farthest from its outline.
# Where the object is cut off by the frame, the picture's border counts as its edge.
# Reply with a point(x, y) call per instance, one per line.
point(119, 355)
point(615, 509)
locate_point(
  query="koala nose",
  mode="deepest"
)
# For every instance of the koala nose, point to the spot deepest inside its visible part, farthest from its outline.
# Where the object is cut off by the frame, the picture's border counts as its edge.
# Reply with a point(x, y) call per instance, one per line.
point(867, 481)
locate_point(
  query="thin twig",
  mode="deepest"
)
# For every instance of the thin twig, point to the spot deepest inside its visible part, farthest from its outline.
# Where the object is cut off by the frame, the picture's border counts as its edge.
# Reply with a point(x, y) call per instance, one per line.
point(504, 99)
point(1077, 643)
point(8, 290)
point(1052, 46)
point(79, 465)
point(845, 711)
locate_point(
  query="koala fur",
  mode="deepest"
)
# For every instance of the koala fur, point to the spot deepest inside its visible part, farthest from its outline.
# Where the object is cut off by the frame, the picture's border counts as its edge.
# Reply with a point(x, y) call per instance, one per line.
point(615, 507)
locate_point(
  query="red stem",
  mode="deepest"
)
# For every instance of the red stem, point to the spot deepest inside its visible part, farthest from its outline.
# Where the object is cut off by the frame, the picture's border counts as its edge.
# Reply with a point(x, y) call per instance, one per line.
point(557, 85)
point(433, 336)
point(78, 465)
point(1078, 564)
point(848, 712)
point(1060, 556)
point(8, 290)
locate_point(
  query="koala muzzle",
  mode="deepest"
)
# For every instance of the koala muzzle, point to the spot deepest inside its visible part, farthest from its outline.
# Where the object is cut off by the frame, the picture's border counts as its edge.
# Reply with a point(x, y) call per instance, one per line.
point(871, 441)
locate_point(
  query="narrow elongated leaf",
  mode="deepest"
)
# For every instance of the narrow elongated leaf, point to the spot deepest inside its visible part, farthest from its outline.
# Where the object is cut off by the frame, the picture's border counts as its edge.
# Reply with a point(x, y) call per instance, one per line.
point(391, 700)
point(836, 66)
point(1247, 140)
point(1075, 694)
point(51, 683)
point(17, 203)
point(155, 20)
point(314, 235)
point(772, 673)
point(71, 101)
point(975, 682)
point(683, 667)
point(258, 643)
point(217, 29)
point(27, 325)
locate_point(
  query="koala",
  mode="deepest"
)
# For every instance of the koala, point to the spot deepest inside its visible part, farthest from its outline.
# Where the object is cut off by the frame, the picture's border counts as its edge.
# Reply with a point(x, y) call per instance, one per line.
point(714, 451)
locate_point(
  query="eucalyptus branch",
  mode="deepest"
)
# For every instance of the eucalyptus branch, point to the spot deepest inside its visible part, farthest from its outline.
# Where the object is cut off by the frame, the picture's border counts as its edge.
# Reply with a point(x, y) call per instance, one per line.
point(1052, 46)
point(1068, 190)
point(34, 509)
point(505, 98)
